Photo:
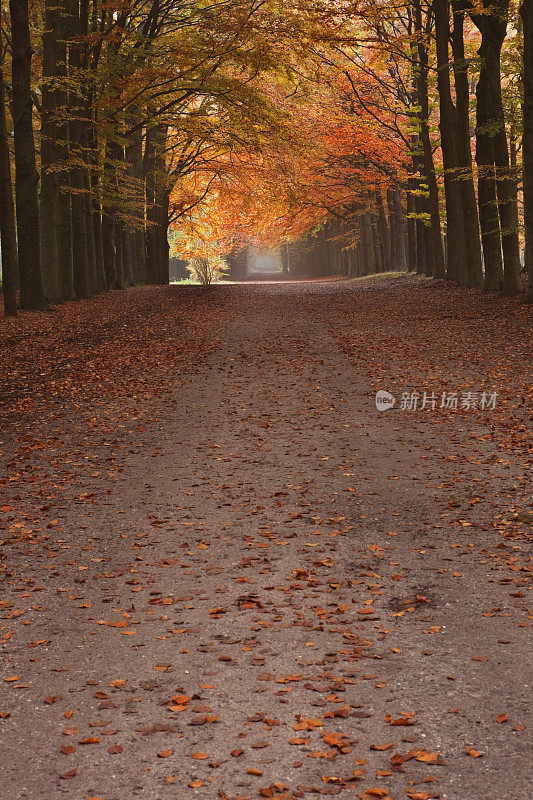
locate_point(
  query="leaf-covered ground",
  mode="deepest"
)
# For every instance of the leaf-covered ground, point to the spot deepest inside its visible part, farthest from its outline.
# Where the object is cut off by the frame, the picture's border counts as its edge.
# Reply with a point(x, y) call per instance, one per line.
point(225, 574)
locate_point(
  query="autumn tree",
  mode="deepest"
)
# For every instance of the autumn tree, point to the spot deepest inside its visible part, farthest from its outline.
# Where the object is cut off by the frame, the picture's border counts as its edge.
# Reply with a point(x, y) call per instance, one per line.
point(26, 178)
point(526, 11)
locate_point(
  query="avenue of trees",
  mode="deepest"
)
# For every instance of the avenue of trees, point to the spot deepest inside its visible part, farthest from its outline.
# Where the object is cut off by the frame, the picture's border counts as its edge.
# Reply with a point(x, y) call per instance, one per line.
point(360, 137)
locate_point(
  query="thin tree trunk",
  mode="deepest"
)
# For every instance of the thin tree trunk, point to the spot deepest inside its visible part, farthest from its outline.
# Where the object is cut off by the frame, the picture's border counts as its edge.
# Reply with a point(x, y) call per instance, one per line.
point(411, 226)
point(109, 249)
point(80, 247)
point(134, 159)
point(27, 203)
point(64, 208)
point(89, 226)
point(368, 245)
point(378, 255)
point(526, 11)
point(383, 232)
point(149, 170)
point(474, 268)
point(164, 254)
point(399, 238)
point(96, 218)
point(119, 254)
point(456, 251)
point(434, 253)
point(8, 236)
point(49, 175)
point(421, 238)
point(126, 255)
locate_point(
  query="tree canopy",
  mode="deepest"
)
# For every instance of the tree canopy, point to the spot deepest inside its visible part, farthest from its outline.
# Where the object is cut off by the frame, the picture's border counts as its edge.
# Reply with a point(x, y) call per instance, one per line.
point(358, 136)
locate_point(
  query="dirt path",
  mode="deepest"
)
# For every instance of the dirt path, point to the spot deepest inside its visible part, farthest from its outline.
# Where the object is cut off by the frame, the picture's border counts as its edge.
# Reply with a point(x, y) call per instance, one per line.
point(266, 588)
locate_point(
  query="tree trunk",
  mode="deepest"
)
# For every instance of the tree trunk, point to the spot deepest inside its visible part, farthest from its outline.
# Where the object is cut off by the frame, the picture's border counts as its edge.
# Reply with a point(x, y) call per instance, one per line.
point(126, 256)
point(8, 236)
point(49, 175)
point(64, 209)
point(506, 190)
point(109, 249)
point(96, 217)
point(500, 193)
point(399, 238)
point(369, 266)
point(434, 253)
point(29, 261)
point(164, 254)
point(149, 170)
point(156, 199)
point(421, 239)
point(94, 282)
point(526, 11)
point(378, 253)
point(384, 232)
point(119, 254)
point(83, 287)
point(474, 267)
point(411, 226)
point(456, 250)
point(134, 156)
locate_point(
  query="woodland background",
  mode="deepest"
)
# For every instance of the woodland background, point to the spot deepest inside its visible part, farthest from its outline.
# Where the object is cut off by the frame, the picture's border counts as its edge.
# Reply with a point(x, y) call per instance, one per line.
point(357, 136)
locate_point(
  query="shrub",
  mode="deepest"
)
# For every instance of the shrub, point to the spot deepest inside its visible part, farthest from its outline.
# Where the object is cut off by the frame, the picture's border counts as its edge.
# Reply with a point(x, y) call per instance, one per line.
point(208, 269)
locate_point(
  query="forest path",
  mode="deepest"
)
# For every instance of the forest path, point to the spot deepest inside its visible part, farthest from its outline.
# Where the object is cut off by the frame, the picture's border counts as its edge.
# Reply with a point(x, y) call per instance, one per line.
point(244, 577)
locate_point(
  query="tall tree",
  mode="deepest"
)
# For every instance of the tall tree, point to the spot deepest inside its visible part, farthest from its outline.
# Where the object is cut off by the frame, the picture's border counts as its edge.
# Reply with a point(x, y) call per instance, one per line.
point(49, 175)
point(526, 11)
point(456, 242)
point(491, 17)
point(26, 180)
point(62, 156)
point(8, 237)
point(432, 232)
point(474, 268)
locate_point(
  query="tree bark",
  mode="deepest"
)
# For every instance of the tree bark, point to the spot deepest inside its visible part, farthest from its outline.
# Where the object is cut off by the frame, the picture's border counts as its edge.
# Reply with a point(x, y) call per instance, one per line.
point(474, 265)
point(421, 239)
point(506, 190)
point(27, 203)
point(411, 224)
point(8, 236)
point(526, 12)
point(488, 204)
point(164, 254)
point(83, 284)
point(109, 249)
point(49, 175)
point(119, 253)
point(433, 249)
point(64, 208)
point(399, 258)
point(95, 215)
point(383, 232)
point(500, 193)
point(156, 199)
point(135, 153)
point(456, 250)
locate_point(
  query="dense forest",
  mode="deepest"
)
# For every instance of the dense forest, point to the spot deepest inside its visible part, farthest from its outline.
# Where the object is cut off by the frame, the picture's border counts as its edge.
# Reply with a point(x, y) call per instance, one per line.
point(359, 137)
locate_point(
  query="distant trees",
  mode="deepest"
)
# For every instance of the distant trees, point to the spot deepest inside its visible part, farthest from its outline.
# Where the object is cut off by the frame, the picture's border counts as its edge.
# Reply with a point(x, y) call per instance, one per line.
point(398, 187)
